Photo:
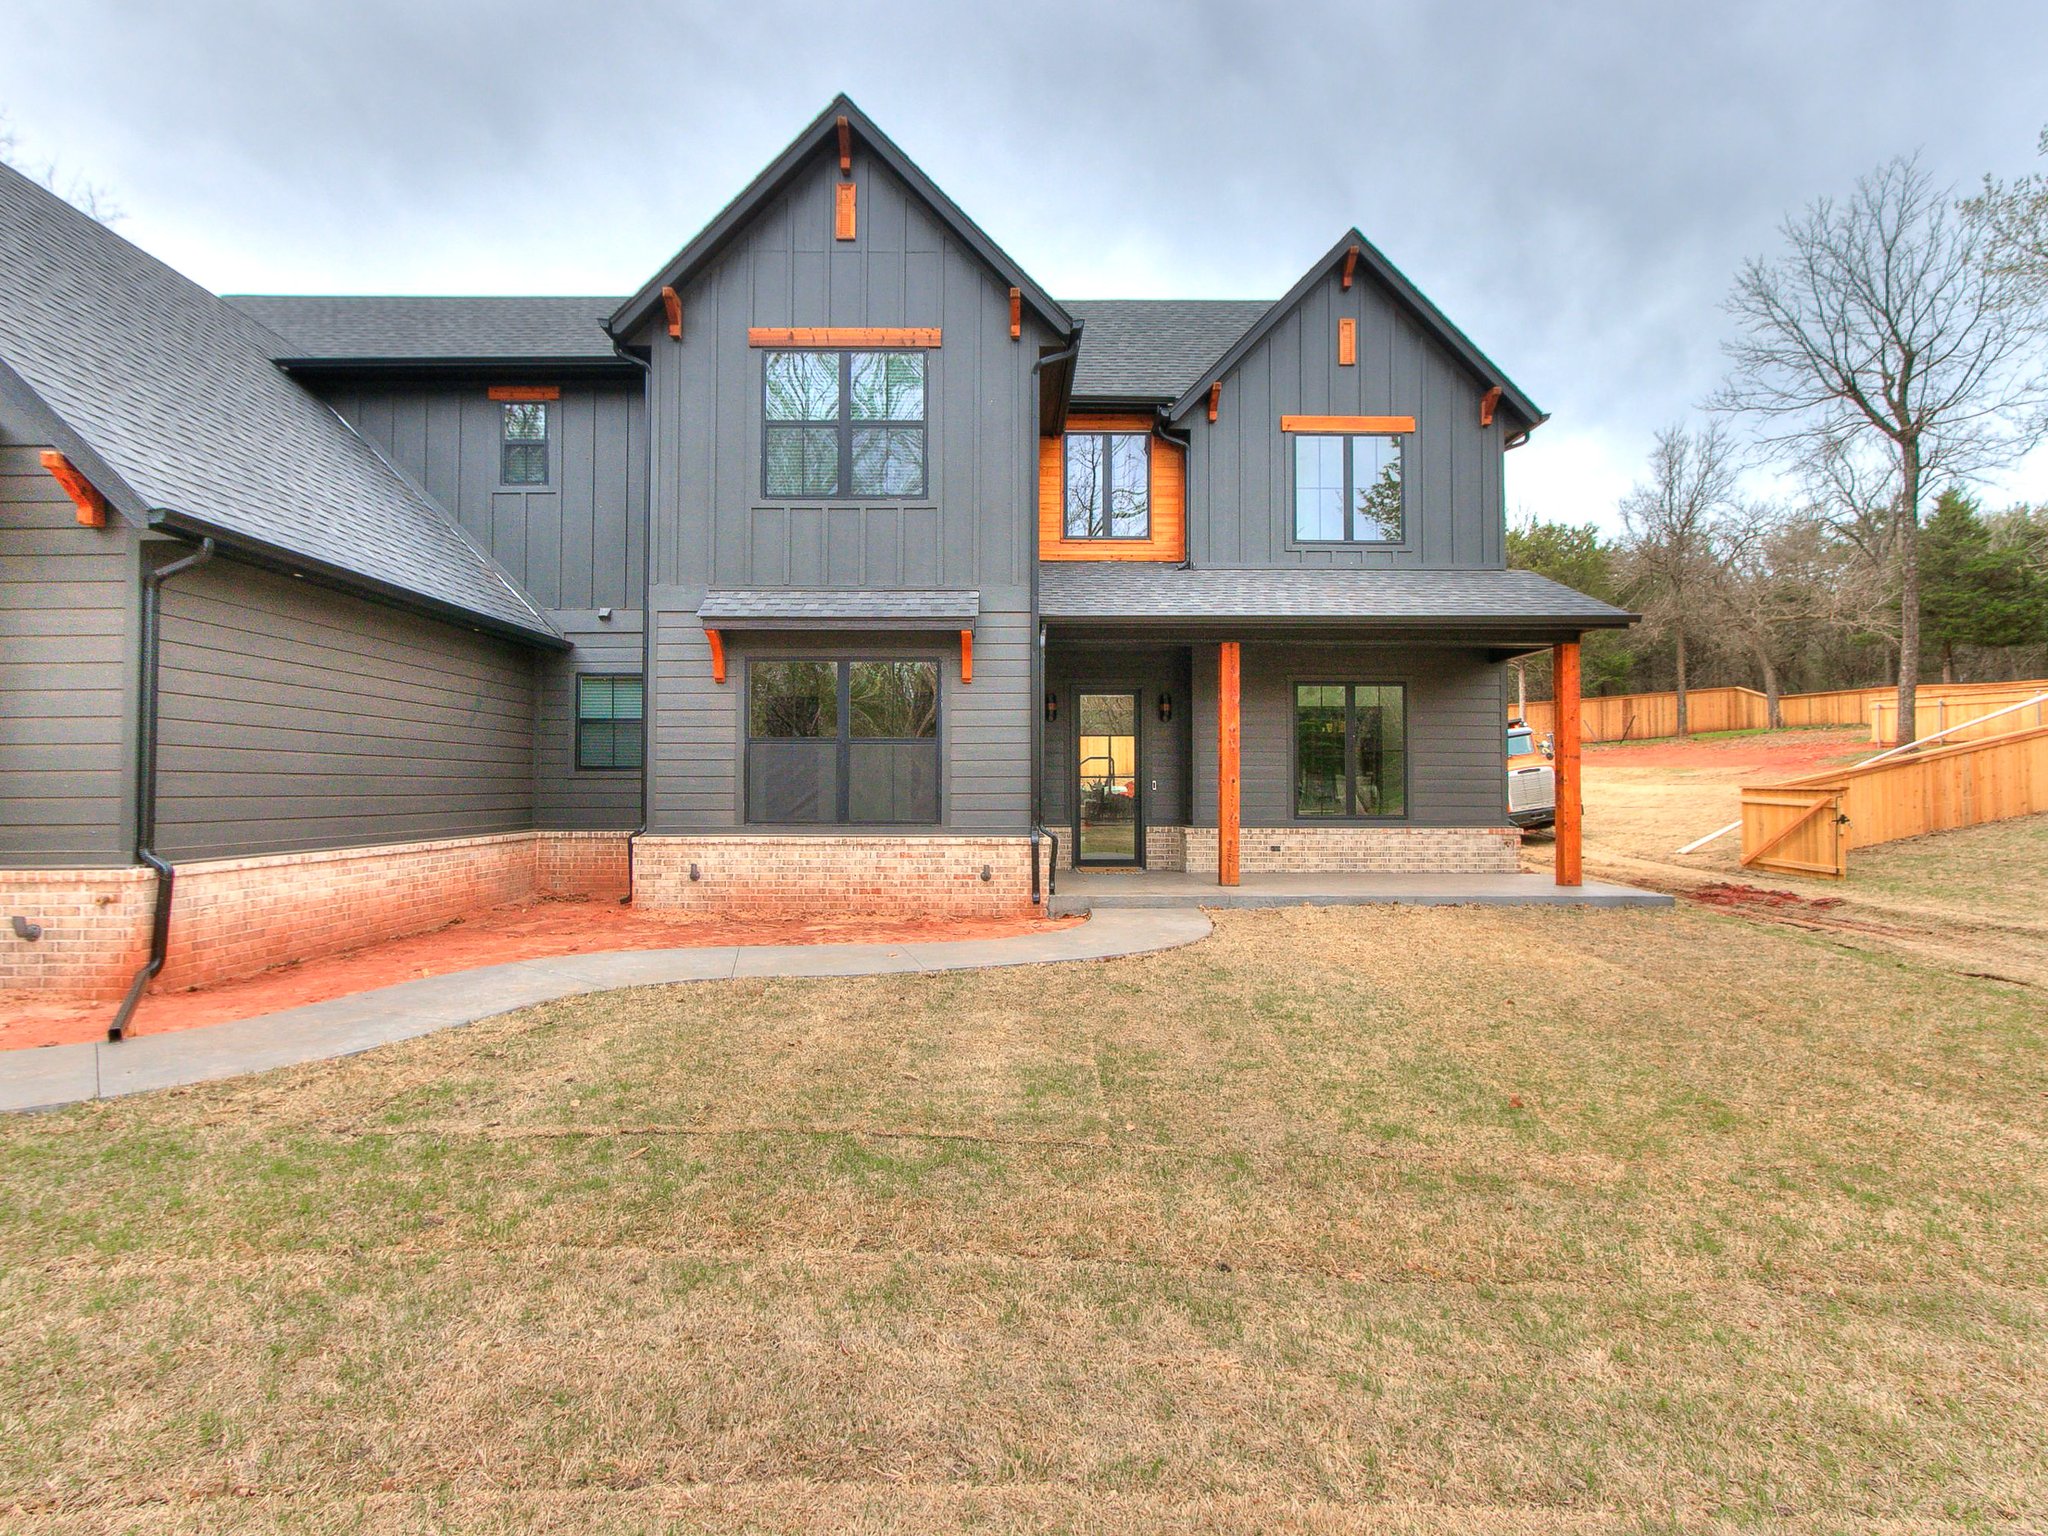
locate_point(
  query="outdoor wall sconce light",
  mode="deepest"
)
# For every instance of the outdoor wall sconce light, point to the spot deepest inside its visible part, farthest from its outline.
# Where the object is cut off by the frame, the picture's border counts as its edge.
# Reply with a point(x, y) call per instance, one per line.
point(1165, 707)
point(1052, 705)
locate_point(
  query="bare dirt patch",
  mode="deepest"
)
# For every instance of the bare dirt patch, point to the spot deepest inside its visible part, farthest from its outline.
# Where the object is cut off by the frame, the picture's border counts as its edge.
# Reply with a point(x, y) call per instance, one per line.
point(519, 931)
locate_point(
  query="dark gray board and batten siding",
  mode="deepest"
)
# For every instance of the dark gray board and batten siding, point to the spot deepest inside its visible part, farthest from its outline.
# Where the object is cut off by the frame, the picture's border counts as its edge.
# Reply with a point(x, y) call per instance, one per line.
point(972, 530)
point(1240, 467)
point(295, 717)
point(577, 545)
point(67, 646)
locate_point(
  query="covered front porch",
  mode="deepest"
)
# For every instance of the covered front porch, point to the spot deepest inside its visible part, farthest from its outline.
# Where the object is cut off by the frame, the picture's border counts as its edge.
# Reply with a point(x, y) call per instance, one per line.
point(1340, 724)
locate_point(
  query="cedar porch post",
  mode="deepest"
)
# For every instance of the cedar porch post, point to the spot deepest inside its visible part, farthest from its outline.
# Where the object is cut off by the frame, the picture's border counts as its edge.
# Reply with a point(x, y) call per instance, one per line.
point(1565, 690)
point(1227, 781)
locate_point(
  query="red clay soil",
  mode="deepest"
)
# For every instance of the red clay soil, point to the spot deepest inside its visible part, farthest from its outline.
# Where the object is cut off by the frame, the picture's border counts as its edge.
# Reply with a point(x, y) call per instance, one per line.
point(1725, 895)
point(1778, 754)
point(521, 931)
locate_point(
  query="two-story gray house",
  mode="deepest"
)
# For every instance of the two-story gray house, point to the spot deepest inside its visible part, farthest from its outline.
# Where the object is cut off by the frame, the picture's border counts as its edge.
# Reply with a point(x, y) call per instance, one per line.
point(840, 568)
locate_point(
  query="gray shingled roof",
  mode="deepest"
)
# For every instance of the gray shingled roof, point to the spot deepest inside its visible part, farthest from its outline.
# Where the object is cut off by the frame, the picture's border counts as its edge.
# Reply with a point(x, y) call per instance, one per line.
point(344, 327)
point(177, 392)
point(1154, 349)
point(1132, 349)
point(824, 607)
point(1128, 590)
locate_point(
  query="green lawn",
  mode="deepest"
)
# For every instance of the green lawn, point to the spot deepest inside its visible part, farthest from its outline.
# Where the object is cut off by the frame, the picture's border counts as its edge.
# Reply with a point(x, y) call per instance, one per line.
point(1431, 1221)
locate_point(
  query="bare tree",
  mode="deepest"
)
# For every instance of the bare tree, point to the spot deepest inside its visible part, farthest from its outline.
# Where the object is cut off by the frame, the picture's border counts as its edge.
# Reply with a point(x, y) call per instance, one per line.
point(1671, 521)
point(1883, 323)
point(2014, 219)
point(88, 197)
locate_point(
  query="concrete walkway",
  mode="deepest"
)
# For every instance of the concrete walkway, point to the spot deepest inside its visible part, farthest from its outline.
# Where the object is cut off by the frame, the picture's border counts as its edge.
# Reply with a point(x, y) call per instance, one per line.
point(57, 1075)
point(1102, 891)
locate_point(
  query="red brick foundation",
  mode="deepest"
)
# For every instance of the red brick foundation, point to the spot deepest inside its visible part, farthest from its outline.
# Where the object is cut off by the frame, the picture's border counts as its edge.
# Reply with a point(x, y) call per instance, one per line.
point(1362, 850)
point(742, 875)
point(95, 930)
point(233, 917)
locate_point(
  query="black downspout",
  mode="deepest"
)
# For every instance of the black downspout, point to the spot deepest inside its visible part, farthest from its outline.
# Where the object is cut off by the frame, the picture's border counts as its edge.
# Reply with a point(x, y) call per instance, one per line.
point(145, 781)
point(1037, 700)
point(646, 367)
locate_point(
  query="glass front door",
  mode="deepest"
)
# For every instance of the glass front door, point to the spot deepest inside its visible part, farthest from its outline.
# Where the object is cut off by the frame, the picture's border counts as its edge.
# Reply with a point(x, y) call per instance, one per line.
point(1106, 725)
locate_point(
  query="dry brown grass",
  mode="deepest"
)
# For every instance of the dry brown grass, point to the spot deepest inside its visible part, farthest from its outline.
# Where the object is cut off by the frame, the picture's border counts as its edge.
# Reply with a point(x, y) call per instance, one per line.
point(1423, 1221)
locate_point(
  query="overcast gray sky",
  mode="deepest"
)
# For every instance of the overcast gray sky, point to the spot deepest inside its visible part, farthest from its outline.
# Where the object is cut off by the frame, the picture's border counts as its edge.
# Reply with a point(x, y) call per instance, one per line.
point(1573, 183)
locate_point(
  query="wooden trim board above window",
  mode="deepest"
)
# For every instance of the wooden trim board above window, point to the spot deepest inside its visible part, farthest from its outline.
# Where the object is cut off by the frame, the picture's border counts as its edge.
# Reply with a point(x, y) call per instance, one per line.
point(523, 394)
point(842, 336)
point(1347, 423)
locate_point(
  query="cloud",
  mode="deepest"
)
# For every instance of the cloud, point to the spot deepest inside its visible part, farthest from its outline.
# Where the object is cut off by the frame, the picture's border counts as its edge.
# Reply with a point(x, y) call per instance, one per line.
point(1572, 183)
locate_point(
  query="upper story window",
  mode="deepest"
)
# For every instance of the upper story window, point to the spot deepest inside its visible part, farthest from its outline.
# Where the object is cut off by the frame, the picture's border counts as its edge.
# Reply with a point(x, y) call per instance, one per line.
point(523, 443)
point(1109, 485)
point(843, 425)
point(1347, 489)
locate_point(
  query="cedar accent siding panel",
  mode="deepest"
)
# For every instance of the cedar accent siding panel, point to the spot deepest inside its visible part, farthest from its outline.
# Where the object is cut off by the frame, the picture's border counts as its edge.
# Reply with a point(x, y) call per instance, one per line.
point(296, 717)
point(67, 644)
point(576, 543)
point(1240, 469)
point(973, 529)
point(1168, 542)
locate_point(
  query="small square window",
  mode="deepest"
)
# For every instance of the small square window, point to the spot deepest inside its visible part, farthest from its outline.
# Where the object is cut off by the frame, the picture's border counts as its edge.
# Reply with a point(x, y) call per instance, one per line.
point(609, 716)
point(523, 443)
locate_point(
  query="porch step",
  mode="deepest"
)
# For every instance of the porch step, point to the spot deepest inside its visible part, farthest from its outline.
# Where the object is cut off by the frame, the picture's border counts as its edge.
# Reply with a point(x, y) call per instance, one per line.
point(1084, 891)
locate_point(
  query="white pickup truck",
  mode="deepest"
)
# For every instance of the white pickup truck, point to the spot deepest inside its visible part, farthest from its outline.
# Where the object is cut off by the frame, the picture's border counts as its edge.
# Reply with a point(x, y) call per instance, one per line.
point(1532, 781)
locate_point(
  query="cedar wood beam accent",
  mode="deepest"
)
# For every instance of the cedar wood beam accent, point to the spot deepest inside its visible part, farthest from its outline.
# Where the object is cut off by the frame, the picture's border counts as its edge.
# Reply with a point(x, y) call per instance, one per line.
point(845, 144)
point(672, 306)
point(1228, 774)
point(1565, 690)
point(1350, 264)
point(842, 336)
point(92, 506)
point(717, 654)
point(966, 655)
point(843, 198)
point(1347, 423)
point(525, 393)
point(1487, 403)
point(1347, 343)
point(1215, 398)
point(1016, 313)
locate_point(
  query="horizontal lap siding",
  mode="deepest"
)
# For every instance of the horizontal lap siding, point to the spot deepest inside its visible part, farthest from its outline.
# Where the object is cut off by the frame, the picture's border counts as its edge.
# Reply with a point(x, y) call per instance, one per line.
point(67, 613)
point(564, 795)
point(985, 731)
point(294, 717)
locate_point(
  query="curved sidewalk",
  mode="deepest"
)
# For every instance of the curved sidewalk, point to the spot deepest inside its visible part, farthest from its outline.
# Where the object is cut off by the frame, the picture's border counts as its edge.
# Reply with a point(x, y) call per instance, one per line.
point(57, 1075)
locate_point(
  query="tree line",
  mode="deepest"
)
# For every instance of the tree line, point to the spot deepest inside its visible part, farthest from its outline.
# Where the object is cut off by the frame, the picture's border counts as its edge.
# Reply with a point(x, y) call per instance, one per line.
point(1892, 353)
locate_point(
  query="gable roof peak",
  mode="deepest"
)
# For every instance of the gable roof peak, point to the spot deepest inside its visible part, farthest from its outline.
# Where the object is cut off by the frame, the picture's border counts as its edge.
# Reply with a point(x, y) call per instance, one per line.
point(783, 169)
point(1372, 260)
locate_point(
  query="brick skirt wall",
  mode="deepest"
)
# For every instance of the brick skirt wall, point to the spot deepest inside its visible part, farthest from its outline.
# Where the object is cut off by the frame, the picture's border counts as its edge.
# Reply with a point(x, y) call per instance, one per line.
point(234, 917)
point(95, 926)
point(870, 875)
point(1363, 850)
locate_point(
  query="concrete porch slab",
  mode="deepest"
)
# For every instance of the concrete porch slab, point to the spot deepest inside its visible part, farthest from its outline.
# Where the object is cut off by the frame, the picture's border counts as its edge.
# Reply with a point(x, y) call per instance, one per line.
point(1101, 890)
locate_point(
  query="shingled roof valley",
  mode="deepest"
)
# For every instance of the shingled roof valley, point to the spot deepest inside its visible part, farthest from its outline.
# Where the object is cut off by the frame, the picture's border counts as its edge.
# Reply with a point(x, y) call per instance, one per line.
point(179, 394)
point(1131, 349)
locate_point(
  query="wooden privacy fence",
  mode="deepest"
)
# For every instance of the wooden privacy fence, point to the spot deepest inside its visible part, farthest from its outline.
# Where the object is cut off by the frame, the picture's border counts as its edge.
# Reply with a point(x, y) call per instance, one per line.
point(1944, 707)
point(1637, 716)
point(1807, 826)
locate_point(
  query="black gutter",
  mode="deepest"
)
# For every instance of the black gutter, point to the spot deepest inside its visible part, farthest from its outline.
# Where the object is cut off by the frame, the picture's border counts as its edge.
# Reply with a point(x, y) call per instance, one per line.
point(1037, 700)
point(145, 780)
